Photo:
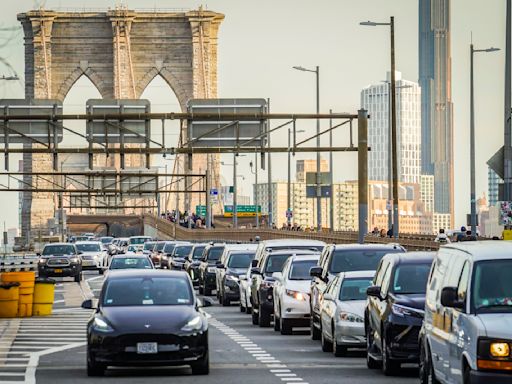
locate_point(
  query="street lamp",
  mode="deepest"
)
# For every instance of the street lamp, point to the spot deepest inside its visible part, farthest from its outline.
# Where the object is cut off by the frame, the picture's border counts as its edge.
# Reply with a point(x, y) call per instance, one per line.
point(318, 187)
point(472, 135)
point(289, 185)
point(391, 24)
point(235, 214)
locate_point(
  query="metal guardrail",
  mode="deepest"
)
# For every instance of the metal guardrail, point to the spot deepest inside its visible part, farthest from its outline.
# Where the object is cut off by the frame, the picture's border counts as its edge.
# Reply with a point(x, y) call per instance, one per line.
point(18, 263)
point(166, 228)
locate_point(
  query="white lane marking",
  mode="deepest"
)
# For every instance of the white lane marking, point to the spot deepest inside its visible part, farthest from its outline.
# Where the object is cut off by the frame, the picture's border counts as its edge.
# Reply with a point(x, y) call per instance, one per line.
point(94, 278)
point(282, 373)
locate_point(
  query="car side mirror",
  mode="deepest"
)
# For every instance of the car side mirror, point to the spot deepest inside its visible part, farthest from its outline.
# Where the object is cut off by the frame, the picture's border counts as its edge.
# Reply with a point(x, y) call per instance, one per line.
point(277, 276)
point(316, 272)
point(449, 298)
point(255, 271)
point(80, 253)
point(254, 263)
point(373, 291)
point(220, 266)
point(38, 254)
point(328, 297)
point(88, 304)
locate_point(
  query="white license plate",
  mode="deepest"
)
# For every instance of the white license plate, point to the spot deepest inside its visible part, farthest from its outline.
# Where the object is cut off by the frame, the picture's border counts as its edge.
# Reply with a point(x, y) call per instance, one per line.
point(146, 348)
point(88, 263)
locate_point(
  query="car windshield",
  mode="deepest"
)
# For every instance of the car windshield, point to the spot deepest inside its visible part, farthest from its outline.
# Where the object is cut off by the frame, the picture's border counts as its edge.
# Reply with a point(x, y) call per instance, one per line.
point(411, 278)
point(299, 270)
point(58, 250)
point(275, 263)
point(198, 252)
point(148, 246)
point(130, 263)
point(354, 289)
point(492, 286)
point(147, 291)
point(182, 250)
point(169, 247)
point(240, 260)
point(214, 253)
point(88, 247)
point(357, 260)
point(160, 246)
point(106, 240)
point(138, 240)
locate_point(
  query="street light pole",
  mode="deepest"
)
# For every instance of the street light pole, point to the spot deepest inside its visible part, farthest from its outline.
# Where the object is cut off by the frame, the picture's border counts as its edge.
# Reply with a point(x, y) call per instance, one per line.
point(289, 184)
point(256, 188)
point(235, 218)
point(318, 185)
point(331, 179)
point(472, 134)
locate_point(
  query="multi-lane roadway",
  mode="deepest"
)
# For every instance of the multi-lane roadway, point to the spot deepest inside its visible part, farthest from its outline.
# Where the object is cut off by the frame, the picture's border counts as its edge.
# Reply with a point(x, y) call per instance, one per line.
point(52, 349)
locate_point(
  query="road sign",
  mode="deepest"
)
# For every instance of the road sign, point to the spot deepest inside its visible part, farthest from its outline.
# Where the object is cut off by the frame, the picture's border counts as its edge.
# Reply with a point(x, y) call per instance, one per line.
point(211, 133)
point(30, 131)
point(242, 210)
point(289, 214)
point(325, 178)
point(201, 210)
point(116, 130)
point(214, 192)
point(311, 191)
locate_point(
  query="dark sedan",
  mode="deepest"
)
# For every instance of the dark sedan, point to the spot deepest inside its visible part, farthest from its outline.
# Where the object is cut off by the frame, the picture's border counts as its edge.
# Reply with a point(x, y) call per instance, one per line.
point(147, 318)
point(395, 310)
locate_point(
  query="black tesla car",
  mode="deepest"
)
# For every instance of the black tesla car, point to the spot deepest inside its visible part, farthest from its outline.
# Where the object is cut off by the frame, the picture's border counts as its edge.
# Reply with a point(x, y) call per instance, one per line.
point(395, 310)
point(147, 318)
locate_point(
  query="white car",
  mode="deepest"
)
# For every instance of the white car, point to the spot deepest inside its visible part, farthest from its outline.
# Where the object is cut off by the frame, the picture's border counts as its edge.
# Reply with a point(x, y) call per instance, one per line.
point(291, 293)
point(342, 312)
point(134, 249)
point(245, 292)
point(93, 255)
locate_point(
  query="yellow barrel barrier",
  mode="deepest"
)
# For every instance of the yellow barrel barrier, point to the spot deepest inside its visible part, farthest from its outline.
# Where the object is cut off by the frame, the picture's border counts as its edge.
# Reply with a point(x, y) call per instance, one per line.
point(26, 282)
point(44, 292)
point(9, 294)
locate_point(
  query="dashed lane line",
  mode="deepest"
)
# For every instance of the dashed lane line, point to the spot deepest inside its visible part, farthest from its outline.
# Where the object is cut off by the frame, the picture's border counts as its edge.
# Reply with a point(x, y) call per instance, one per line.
point(280, 371)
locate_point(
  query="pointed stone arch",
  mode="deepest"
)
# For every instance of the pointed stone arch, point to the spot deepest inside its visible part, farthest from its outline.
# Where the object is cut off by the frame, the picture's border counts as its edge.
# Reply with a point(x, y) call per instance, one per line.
point(73, 77)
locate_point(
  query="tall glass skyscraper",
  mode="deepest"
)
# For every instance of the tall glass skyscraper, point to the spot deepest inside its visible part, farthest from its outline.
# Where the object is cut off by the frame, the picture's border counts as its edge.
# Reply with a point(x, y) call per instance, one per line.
point(435, 78)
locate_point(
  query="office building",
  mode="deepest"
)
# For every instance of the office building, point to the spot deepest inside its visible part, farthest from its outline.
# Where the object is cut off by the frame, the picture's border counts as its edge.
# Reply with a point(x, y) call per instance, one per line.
point(305, 166)
point(435, 80)
point(427, 192)
point(375, 99)
point(494, 182)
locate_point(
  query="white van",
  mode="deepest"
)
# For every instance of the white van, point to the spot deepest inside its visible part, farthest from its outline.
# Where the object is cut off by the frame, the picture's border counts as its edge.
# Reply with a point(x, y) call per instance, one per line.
point(466, 335)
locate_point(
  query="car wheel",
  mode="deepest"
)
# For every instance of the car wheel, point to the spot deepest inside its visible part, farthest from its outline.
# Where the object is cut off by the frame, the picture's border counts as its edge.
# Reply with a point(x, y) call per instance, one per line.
point(78, 277)
point(200, 289)
point(207, 291)
point(389, 367)
point(466, 375)
point(286, 328)
point(248, 310)
point(225, 302)
point(101, 271)
point(315, 332)
point(326, 344)
point(277, 322)
point(371, 363)
point(94, 369)
point(427, 374)
point(264, 318)
point(202, 367)
point(337, 349)
point(242, 308)
point(255, 318)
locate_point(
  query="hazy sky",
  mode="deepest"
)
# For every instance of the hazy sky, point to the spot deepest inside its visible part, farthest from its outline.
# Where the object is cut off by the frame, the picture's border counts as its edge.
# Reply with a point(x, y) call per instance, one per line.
point(260, 41)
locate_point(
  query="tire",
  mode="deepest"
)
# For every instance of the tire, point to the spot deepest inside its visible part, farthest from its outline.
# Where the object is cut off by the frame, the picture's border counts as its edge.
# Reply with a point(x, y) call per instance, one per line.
point(207, 291)
point(255, 318)
point(101, 271)
point(466, 375)
point(248, 310)
point(426, 371)
point(338, 350)
point(326, 344)
point(264, 318)
point(94, 369)
point(389, 367)
point(277, 322)
point(242, 308)
point(315, 332)
point(78, 277)
point(202, 367)
point(286, 328)
point(371, 363)
point(200, 288)
point(225, 302)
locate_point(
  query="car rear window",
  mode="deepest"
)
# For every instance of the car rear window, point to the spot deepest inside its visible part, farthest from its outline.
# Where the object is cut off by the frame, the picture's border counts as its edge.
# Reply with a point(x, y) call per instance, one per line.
point(357, 260)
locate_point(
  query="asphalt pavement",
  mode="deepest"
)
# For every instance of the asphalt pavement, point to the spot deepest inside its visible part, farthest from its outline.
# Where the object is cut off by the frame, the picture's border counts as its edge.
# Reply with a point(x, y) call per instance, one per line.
point(52, 350)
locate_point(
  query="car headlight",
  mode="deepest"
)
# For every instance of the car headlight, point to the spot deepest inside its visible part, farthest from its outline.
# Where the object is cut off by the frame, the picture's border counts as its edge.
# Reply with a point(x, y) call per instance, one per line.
point(42, 261)
point(232, 278)
point(494, 354)
point(211, 269)
point(74, 259)
point(193, 325)
point(499, 349)
point(403, 311)
point(351, 317)
point(101, 325)
point(296, 295)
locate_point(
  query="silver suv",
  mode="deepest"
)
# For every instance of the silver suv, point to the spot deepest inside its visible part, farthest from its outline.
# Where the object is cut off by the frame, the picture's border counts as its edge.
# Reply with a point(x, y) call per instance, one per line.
point(467, 331)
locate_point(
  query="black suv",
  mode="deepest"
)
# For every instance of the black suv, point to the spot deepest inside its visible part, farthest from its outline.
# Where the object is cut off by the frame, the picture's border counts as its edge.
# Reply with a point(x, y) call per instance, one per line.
point(192, 265)
point(60, 259)
point(207, 275)
point(342, 258)
point(236, 264)
point(395, 310)
point(262, 283)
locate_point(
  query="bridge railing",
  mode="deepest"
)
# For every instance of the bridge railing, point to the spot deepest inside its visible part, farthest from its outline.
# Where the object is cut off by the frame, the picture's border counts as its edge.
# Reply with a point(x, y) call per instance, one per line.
point(167, 229)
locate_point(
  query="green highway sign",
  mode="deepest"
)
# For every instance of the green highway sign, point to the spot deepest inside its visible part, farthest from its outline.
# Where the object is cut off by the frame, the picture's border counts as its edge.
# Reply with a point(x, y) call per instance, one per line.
point(241, 210)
